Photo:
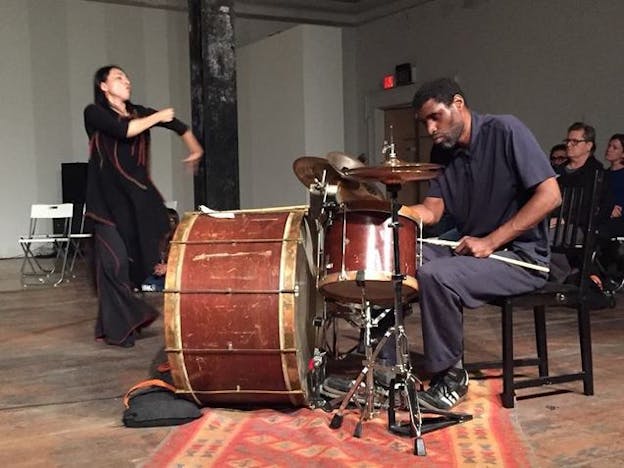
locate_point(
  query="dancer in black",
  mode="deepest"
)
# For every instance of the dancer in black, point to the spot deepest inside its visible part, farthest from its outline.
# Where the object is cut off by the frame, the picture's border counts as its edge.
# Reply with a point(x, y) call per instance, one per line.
point(130, 218)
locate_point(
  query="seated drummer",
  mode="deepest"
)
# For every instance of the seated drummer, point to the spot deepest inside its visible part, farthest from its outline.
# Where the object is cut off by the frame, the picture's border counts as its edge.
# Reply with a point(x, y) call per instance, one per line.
point(499, 187)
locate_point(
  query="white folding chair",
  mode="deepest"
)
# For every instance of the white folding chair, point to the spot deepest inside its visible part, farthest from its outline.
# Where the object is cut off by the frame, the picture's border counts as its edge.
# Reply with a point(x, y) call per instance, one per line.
point(41, 235)
point(78, 238)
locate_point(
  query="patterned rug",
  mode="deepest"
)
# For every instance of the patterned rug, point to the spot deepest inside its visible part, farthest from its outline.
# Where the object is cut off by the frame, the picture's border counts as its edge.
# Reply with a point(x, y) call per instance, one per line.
point(302, 437)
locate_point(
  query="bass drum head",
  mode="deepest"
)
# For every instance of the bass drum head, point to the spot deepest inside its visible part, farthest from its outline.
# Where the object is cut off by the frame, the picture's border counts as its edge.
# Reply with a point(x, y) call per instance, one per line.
point(307, 300)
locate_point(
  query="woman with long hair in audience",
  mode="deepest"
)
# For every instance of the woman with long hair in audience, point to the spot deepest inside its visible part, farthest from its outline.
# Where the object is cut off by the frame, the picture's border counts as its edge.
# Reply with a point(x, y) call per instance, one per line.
point(129, 214)
point(611, 253)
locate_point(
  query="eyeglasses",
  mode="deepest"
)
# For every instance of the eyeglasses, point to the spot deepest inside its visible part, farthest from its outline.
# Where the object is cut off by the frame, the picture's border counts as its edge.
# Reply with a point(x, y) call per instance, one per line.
point(573, 141)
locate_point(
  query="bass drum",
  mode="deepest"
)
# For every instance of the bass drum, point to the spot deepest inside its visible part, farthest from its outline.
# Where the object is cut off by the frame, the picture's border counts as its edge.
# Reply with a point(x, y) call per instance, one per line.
point(240, 300)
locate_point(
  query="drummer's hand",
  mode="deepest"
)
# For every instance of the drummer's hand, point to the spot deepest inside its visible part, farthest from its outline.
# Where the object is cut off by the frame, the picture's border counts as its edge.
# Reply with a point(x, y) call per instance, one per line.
point(479, 247)
point(411, 212)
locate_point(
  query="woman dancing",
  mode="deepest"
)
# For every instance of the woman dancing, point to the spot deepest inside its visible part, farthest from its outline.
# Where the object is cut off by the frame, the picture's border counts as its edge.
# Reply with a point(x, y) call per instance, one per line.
point(130, 218)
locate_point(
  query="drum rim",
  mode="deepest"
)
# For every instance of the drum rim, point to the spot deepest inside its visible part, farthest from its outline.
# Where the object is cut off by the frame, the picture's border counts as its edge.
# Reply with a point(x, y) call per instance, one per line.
point(409, 283)
point(377, 206)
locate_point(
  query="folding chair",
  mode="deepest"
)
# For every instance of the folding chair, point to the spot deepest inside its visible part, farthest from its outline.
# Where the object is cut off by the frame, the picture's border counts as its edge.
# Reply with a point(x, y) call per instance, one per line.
point(78, 239)
point(40, 235)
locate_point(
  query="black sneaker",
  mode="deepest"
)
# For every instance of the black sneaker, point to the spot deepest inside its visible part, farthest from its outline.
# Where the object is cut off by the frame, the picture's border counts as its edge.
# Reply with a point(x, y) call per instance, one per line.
point(446, 390)
point(383, 377)
point(336, 387)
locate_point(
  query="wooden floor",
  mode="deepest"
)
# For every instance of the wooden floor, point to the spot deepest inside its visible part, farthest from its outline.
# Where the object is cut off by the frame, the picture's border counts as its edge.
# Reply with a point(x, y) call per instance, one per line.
point(60, 402)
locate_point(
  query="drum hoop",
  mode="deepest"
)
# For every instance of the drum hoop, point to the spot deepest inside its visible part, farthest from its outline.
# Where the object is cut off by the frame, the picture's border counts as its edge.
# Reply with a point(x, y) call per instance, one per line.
point(173, 328)
point(410, 285)
point(287, 306)
point(369, 275)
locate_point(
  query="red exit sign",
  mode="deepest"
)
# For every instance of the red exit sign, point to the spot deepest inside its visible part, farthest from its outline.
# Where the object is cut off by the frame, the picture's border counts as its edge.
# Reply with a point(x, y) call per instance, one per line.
point(388, 82)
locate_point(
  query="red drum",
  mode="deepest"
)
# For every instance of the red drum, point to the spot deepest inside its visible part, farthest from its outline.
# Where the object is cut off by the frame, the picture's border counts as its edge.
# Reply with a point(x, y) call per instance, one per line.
point(239, 304)
point(358, 249)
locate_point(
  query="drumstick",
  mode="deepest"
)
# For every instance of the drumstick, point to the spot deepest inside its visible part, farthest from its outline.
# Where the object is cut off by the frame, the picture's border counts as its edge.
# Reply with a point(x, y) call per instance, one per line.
point(265, 210)
point(513, 261)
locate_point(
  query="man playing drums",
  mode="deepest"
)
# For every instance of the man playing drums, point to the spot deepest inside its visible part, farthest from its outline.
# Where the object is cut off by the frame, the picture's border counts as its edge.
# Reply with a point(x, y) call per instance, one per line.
point(499, 187)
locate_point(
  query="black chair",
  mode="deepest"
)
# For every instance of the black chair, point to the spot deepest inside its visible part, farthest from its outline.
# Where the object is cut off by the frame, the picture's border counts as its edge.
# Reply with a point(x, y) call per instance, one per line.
point(573, 234)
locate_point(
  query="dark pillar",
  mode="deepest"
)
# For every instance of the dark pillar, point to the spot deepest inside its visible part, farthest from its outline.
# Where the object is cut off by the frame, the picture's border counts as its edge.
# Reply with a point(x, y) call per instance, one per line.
point(213, 101)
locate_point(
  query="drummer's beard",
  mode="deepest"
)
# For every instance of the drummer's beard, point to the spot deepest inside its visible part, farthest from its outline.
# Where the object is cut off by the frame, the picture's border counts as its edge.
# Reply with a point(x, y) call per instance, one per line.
point(451, 136)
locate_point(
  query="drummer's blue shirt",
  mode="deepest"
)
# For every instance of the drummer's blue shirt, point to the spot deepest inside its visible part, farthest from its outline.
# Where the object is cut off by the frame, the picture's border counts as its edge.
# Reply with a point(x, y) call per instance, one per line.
point(487, 183)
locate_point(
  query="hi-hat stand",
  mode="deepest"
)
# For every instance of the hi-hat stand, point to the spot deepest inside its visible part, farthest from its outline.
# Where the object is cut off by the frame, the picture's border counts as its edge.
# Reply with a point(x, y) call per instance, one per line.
point(406, 381)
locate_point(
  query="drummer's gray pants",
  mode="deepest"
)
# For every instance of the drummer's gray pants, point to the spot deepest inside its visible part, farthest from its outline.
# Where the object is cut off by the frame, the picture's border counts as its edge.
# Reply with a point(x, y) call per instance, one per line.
point(447, 283)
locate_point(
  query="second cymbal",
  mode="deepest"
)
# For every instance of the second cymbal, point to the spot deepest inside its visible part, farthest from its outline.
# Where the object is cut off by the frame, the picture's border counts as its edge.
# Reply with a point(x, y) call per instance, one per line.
point(310, 168)
point(351, 190)
point(342, 162)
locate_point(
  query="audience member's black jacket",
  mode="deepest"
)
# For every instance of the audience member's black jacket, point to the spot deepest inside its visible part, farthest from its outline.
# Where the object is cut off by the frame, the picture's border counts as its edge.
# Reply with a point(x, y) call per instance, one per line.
point(584, 176)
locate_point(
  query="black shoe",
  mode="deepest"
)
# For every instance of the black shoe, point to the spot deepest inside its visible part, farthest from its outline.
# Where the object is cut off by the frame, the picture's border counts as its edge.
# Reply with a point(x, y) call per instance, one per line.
point(446, 390)
point(383, 377)
point(337, 387)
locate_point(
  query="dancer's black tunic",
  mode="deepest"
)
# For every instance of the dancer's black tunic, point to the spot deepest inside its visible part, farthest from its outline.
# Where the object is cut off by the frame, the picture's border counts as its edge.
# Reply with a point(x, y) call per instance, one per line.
point(130, 219)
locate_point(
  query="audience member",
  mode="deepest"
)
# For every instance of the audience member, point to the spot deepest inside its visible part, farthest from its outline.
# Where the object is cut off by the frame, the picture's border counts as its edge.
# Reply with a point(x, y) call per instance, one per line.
point(582, 165)
point(610, 254)
point(156, 281)
point(558, 155)
point(614, 154)
point(580, 171)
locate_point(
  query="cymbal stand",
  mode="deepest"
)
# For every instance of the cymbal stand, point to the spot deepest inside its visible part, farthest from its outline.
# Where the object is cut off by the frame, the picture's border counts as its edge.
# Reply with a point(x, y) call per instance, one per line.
point(318, 362)
point(405, 381)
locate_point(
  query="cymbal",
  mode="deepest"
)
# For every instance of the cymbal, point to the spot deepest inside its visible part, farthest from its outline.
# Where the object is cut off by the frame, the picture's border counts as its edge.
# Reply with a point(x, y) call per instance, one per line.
point(395, 171)
point(365, 190)
point(309, 168)
point(341, 161)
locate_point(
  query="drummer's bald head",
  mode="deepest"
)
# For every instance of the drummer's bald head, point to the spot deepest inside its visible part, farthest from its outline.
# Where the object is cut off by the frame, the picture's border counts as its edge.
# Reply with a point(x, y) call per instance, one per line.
point(441, 90)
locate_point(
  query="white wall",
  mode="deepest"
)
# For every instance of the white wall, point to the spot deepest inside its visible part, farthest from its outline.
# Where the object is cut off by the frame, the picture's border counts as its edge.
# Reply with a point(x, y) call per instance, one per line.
point(322, 89)
point(548, 62)
point(289, 105)
point(50, 50)
point(19, 162)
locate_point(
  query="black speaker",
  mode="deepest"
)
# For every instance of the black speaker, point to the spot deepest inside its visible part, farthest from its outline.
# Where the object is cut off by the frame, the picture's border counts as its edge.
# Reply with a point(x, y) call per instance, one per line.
point(403, 74)
point(74, 182)
point(74, 186)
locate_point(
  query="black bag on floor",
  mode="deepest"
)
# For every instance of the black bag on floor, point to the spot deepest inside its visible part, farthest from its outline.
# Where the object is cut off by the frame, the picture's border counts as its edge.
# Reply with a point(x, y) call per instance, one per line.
point(154, 403)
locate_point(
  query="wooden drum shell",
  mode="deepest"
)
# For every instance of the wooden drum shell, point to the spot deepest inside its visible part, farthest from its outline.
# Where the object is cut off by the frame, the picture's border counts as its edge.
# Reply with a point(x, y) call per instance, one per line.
point(358, 245)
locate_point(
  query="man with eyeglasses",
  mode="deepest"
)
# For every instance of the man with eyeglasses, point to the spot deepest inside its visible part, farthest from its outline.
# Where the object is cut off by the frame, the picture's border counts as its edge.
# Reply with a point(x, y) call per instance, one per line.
point(582, 165)
point(580, 171)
